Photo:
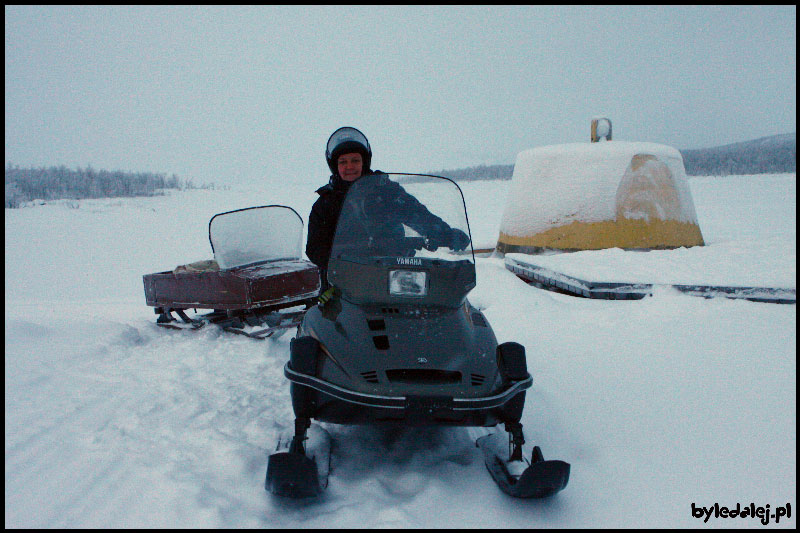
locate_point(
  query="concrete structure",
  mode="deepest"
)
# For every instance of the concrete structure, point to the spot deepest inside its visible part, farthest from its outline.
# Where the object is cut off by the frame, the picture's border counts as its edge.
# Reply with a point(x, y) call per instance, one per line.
point(588, 196)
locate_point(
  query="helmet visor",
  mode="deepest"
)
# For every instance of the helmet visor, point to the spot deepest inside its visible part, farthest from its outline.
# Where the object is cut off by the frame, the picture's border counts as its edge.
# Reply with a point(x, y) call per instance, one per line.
point(343, 135)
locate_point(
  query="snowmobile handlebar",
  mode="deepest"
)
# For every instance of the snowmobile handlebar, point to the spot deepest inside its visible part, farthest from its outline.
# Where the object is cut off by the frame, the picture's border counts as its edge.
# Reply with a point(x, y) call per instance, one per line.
point(453, 238)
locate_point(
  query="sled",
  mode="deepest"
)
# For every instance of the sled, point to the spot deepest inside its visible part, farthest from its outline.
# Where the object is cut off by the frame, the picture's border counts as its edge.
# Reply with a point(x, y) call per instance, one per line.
point(256, 285)
point(559, 282)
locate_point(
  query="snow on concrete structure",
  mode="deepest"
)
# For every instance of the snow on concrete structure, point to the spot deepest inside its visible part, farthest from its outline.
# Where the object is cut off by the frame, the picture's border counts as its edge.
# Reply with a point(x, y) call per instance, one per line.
point(630, 195)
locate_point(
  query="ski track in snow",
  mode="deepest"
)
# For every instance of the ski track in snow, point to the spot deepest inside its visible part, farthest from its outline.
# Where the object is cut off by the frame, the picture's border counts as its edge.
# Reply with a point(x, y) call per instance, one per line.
point(114, 422)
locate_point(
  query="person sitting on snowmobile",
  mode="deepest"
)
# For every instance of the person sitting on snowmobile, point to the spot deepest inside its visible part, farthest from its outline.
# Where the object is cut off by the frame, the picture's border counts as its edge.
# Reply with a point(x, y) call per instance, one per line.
point(349, 157)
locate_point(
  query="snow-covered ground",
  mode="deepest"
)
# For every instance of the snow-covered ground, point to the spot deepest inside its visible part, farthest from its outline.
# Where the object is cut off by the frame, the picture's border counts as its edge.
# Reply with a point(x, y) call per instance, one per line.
point(658, 404)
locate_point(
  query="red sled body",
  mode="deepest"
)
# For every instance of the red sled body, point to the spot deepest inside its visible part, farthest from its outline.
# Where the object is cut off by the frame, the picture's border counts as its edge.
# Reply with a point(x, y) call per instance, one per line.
point(272, 284)
point(256, 273)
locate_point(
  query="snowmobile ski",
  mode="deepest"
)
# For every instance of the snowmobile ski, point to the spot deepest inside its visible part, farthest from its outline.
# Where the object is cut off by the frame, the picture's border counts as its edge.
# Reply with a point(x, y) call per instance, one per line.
point(536, 478)
point(300, 469)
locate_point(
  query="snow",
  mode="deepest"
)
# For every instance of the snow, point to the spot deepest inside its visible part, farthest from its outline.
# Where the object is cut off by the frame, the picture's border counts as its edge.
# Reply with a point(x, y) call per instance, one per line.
point(657, 404)
point(558, 184)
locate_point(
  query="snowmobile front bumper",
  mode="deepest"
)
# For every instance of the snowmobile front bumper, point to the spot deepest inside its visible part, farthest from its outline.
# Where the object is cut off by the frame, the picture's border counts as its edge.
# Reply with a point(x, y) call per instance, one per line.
point(409, 403)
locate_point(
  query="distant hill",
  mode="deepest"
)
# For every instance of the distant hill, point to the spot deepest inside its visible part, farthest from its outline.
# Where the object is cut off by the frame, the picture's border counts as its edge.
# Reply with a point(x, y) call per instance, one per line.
point(767, 155)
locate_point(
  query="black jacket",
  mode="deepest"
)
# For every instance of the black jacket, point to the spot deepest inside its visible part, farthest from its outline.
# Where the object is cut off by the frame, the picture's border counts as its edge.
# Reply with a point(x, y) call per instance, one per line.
point(322, 223)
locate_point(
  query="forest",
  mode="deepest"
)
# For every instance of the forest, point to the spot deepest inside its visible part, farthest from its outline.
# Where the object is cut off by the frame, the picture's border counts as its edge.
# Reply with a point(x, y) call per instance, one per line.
point(59, 182)
point(767, 155)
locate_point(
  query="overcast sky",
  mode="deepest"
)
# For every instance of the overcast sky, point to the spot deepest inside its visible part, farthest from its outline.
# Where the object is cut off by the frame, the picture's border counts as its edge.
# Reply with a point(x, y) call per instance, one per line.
point(239, 94)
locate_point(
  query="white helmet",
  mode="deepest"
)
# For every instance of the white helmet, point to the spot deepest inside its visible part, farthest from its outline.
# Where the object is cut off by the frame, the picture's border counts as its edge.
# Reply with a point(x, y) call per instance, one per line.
point(344, 141)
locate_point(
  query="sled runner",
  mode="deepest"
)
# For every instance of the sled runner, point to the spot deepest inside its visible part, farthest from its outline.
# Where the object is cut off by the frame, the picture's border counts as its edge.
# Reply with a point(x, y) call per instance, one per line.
point(256, 285)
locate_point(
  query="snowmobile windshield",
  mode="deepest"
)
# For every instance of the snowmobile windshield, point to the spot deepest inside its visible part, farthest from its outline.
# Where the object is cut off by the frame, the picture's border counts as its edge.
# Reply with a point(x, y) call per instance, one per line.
point(255, 235)
point(403, 216)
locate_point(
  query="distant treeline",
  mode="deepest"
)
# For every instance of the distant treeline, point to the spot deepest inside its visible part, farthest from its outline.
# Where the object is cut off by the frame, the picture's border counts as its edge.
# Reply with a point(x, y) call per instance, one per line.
point(26, 184)
point(767, 155)
point(481, 172)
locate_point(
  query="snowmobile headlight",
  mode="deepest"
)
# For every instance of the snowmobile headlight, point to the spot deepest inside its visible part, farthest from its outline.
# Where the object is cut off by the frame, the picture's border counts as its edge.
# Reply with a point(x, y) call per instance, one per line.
point(408, 283)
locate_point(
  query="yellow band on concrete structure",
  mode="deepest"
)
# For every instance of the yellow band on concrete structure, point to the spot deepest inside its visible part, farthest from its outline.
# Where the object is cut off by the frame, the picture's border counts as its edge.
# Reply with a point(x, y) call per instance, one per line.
point(626, 234)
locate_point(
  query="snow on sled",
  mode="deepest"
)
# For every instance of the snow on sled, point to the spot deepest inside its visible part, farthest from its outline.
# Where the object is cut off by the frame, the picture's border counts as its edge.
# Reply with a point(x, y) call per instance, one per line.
point(256, 285)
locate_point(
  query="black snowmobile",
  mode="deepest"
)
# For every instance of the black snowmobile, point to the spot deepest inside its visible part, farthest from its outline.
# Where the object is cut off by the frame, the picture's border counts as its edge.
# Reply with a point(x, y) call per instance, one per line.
point(397, 342)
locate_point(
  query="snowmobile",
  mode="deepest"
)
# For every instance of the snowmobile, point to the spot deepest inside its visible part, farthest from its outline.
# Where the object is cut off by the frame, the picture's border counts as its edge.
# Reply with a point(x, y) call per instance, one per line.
point(257, 284)
point(395, 341)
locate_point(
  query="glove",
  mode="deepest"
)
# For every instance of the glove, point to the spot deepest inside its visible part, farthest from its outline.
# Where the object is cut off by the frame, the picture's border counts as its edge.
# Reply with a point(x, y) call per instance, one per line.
point(450, 238)
point(330, 304)
point(459, 239)
point(328, 295)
